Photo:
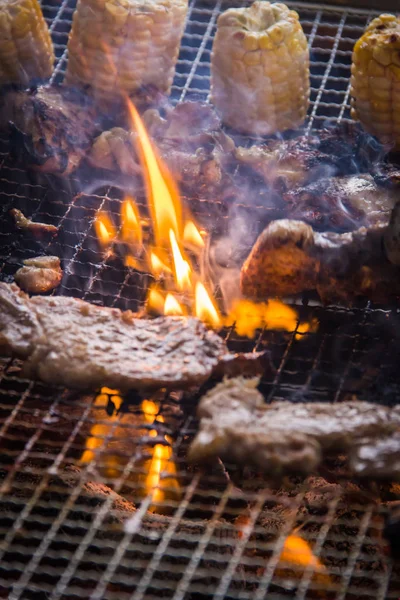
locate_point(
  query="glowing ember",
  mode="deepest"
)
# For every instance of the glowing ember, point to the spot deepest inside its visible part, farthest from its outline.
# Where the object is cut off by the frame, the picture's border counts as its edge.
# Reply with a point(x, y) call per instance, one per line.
point(105, 229)
point(162, 191)
point(182, 267)
point(191, 235)
point(205, 308)
point(172, 306)
point(131, 228)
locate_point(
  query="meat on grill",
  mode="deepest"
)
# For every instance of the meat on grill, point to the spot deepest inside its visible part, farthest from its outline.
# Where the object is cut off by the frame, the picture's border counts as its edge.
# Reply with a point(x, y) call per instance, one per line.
point(377, 458)
point(23, 222)
point(289, 257)
point(237, 425)
point(51, 128)
point(341, 203)
point(40, 274)
point(70, 342)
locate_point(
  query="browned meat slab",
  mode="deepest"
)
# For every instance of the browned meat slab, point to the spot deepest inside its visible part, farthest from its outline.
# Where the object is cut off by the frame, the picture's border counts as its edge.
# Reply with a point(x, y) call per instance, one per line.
point(40, 274)
point(51, 128)
point(282, 437)
point(70, 342)
point(289, 257)
point(23, 222)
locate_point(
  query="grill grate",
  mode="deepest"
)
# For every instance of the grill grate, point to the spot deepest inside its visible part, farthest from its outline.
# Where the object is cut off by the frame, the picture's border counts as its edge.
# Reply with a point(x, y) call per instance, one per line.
point(223, 537)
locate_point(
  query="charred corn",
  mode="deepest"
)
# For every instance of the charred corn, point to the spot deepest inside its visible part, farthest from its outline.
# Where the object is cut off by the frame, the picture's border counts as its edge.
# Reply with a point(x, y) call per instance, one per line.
point(260, 69)
point(375, 80)
point(26, 49)
point(118, 46)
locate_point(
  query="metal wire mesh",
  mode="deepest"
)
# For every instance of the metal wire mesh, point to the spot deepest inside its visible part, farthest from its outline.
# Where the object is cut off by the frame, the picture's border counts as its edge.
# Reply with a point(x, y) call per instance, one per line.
point(73, 469)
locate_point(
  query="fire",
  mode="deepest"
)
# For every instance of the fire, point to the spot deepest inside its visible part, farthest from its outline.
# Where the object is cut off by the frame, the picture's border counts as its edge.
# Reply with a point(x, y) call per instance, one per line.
point(174, 259)
point(131, 228)
point(192, 236)
point(205, 308)
point(181, 266)
point(99, 431)
point(162, 191)
point(249, 316)
point(161, 479)
point(105, 229)
point(297, 552)
point(172, 306)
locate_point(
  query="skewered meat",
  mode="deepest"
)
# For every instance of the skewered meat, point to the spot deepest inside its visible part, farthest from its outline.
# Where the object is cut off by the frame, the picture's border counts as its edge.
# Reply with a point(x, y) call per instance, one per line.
point(117, 47)
point(282, 437)
point(375, 76)
point(23, 222)
point(26, 50)
point(341, 203)
point(260, 69)
point(70, 342)
point(40, 274)
point(51, 128)
point(289, 258)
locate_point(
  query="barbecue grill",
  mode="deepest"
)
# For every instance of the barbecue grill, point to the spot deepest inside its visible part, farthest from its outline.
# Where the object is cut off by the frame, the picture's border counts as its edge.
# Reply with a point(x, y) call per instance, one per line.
point(222, 535)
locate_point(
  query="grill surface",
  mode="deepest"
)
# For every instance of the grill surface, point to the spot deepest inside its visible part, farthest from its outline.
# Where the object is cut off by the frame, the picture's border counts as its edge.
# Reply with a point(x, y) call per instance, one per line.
point(57, 542)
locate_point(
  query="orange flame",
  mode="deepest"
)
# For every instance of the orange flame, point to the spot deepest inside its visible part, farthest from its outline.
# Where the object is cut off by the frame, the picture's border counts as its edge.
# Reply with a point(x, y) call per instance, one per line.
point(181, 266)
point(205, 308)
point(158, 266)
point(162, 191)
point(172, 306)
point(249, 316)
point(297, 552)
point(161, 479)
point(131, 228)
point(105, 229)
point(192, 236)
point(155, 301)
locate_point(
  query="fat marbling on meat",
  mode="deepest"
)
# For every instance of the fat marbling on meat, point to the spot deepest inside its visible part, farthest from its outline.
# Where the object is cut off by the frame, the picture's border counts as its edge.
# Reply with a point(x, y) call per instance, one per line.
point(283, 437)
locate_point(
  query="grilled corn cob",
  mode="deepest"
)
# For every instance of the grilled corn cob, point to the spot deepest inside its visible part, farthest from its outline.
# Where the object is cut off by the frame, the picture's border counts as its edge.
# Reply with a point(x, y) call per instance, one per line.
point(26, 49)
point(260, 69)
point(375, 79)
point(119, 46)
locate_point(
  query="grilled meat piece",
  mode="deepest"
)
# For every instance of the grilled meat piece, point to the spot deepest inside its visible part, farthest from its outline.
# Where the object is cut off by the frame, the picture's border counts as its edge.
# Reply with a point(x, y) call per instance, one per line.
point(70, 342)
point(40, 274)
point(23, 222)
point(51, 128)
point(377, 458)
point(341, 203)
point(289, 258)
point(344, 150)
point(282, 437)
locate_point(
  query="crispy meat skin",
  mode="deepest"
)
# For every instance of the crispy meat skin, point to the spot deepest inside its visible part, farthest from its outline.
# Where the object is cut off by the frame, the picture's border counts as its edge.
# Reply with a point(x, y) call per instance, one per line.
point(289, 258)
point(51, 128)
point(73, 343)
point(236, 424)
point(40, 274)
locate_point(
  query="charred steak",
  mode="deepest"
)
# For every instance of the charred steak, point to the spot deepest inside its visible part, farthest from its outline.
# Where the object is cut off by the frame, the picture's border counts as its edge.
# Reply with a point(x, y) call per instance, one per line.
point(70, 342)
point(237, 425)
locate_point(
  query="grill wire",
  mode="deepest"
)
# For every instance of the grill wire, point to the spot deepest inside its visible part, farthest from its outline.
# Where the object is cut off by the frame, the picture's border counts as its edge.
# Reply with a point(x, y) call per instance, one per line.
point(58, 540)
